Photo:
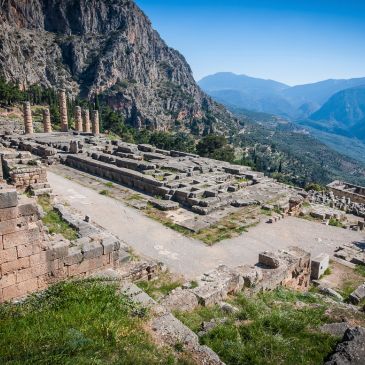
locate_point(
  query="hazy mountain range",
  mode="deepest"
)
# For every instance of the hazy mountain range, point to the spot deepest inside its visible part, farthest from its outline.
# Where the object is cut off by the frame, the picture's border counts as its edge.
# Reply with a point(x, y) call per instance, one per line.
point(333, 110)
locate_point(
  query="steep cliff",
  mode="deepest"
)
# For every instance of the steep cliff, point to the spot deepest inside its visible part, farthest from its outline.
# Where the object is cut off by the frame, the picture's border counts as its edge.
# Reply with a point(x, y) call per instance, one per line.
point(109, 48)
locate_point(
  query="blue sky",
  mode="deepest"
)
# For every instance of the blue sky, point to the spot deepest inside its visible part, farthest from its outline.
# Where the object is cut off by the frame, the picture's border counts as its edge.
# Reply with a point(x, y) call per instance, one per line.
point(292, 41)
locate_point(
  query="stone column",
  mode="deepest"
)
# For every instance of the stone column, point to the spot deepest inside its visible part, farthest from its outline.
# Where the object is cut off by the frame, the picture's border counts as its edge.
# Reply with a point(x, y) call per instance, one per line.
point(87, 121)
point(63, 110)
point(47, 127)
point(27, 114)
point(78, 119)
point(95, 122)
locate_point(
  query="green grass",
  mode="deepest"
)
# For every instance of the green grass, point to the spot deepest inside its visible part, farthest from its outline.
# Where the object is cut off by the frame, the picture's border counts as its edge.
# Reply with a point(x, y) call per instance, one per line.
point(109, 184)
point(335, 223)
point(80, 322)
point(268, 329)
point(54, 222)
point(135, 197)
point(161, 286)
point(328, 271)
point(360, 269)
point(104, 192)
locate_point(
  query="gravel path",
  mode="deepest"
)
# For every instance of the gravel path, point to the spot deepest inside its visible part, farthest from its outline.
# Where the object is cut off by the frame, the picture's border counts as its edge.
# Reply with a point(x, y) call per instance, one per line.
point(188, 256)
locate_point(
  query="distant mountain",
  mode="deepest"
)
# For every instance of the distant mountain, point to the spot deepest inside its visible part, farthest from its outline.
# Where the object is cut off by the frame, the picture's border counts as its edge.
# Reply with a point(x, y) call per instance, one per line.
point(343, 113)
point(247, 92)
point(319, 92)
point(271, 96)
point(290, 153)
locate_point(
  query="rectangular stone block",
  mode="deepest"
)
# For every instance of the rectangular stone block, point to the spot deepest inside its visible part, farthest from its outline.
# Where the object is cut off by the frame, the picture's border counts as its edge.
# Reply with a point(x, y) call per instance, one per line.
point(28, 209)
point(58, 250)
point(14, 225)
point(16, 265)
point(24, 275)
point(8, 280)
point(39, 258)
point(40, 270)
point(8, 213)
point(28, 250)
point(8, 198)
point(110, 244)
point(91, 250)
point(21, 289)
point(8, 255)
point(74, 256)
point(28, 236)
point(269, 259)
point(319, 265)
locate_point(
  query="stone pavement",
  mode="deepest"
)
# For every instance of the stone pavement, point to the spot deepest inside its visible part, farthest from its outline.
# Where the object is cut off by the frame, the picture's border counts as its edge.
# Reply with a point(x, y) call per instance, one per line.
point(188, 256)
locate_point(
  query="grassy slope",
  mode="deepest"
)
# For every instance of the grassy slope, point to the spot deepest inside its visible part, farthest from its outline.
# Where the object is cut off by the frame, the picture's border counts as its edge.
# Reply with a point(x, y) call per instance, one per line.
point(82, 322)
point(270, 328)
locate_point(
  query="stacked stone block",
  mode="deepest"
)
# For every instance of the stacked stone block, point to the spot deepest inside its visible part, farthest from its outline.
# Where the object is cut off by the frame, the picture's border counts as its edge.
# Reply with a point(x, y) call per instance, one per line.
point(21, 247)
point(95, 124)
point(86, 126)
point(47, 127)
point(63, 110)
point(30, 260)
point(78, 119)
point(28, 121)
point(20, 170)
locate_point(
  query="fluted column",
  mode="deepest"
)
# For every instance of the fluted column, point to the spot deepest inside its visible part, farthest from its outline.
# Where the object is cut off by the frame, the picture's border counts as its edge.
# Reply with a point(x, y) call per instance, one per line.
point(95, 122)
point(63, 110)
point(87, 128)
point(78, 119)
point(47, 127)
point(27, 115)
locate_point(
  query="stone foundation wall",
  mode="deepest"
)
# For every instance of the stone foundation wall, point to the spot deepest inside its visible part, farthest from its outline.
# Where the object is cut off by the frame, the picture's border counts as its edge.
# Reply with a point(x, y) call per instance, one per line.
point(133, 179)
point(30, 259)
point(342, 189)
point(22, 170)
point(343, 193)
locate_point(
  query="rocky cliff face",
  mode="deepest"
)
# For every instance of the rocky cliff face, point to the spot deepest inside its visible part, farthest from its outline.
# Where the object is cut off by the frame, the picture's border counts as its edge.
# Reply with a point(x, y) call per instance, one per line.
point(109, 48)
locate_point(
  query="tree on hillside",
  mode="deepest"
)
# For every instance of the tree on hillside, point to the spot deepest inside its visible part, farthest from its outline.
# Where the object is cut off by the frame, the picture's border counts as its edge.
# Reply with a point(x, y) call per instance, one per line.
point(215, 146)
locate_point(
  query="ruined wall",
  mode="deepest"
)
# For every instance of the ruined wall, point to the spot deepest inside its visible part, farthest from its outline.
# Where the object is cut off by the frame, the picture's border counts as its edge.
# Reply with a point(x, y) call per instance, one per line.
point(121, 175)
point(343, 193)
point(30, 260)
point(290, 268)
point(354, 192)
point(22, 170)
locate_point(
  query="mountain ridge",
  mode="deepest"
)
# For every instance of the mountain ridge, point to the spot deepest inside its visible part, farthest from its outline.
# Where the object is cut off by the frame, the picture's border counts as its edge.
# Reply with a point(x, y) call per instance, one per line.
point(297, 101)
point(106, 48)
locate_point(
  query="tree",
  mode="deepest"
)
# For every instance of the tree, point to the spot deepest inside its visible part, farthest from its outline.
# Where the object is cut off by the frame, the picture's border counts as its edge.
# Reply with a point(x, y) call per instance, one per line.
point(215, 146)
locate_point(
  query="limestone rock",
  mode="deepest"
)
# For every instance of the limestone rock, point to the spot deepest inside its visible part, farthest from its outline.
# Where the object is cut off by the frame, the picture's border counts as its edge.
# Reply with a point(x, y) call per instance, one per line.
point(99, 46)
point(351, 351)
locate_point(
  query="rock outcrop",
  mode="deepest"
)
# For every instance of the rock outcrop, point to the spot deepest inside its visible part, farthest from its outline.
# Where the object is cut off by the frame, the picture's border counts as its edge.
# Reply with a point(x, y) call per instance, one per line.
point(105, 48)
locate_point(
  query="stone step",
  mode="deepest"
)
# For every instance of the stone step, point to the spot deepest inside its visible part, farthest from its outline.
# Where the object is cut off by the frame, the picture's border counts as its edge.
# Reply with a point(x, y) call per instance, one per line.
point(39, 192)
point(36, 186)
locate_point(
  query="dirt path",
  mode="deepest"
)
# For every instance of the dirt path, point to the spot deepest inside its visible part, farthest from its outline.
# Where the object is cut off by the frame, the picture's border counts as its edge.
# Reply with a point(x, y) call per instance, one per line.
point(191, 257)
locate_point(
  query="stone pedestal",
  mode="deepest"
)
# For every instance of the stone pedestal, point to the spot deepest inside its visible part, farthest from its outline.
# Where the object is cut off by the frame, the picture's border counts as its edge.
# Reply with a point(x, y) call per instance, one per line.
point(78, 119)
point(27, 114)
point(63, 110)
point(95, 122)
point(87, 128)
point(47, 127)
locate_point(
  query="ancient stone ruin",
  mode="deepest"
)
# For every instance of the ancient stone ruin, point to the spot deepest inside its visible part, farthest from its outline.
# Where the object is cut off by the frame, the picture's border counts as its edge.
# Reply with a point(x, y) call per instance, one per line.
point(47, 121)
point(351, 193)
point(63, 110)
point(28, 122)
point(78, 119)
